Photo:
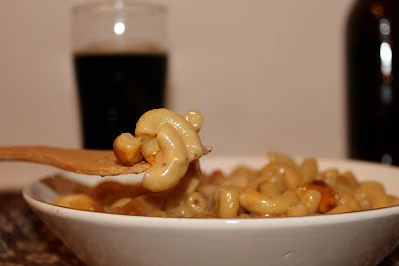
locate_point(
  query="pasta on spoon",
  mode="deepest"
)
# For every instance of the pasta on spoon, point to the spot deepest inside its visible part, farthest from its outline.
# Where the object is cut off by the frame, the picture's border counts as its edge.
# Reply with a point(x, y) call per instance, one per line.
point(168, 141)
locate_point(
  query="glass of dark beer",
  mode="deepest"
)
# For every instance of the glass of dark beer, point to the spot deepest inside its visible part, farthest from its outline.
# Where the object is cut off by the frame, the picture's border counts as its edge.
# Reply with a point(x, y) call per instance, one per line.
point(120, 61)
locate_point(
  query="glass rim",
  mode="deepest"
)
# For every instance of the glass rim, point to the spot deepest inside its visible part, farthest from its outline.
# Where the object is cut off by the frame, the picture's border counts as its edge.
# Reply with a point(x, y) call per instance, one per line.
point(103, 7)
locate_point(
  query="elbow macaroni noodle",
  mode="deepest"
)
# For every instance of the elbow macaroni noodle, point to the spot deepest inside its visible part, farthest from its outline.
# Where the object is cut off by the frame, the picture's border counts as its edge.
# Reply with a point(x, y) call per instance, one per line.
point(168, 141)
point(175, 187)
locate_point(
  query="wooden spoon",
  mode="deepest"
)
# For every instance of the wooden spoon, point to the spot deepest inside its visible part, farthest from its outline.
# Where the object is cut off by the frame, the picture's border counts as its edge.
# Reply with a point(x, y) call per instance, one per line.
point(89, 162)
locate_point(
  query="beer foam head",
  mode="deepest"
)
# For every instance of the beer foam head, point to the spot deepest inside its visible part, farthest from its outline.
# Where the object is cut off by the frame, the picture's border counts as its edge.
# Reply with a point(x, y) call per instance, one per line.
point(117, 48)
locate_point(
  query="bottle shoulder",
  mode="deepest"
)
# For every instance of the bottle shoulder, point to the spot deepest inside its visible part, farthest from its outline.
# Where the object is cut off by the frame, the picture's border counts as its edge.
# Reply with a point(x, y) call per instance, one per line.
point(377, 9)
point(366, 15)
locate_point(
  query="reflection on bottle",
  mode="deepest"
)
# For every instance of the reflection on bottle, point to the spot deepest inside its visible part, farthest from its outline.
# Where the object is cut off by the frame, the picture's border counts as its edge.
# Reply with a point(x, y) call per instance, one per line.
point(386, 58)
point(386, 61)
point(385, 27)
point(386, 94)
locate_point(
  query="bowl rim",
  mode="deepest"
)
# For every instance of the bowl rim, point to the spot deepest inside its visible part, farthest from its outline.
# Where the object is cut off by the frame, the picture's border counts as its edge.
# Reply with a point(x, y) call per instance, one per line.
point(214, 223)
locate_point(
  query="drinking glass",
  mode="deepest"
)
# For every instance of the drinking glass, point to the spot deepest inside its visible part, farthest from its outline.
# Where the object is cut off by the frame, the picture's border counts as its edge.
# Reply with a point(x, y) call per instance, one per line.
point(120, 62)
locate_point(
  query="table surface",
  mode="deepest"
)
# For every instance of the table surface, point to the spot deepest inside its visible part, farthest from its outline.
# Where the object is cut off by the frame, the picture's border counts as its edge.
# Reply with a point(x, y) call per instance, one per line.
point(25, 240)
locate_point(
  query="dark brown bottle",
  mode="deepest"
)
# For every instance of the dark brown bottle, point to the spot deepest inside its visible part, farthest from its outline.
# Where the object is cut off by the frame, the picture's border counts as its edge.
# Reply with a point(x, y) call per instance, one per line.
point(372, 68)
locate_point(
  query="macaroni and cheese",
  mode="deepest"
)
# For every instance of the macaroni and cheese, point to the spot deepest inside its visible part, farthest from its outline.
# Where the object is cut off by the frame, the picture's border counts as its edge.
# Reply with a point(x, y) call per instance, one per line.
point(175, 187)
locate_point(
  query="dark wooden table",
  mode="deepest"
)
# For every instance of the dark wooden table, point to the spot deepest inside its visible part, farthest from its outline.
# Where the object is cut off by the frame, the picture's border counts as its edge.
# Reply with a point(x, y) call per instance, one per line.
point(7, 197)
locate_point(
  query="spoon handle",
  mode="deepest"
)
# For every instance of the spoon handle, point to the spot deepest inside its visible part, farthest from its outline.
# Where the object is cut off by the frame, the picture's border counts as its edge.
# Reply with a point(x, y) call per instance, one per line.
point(90, 162)
point(39, 154)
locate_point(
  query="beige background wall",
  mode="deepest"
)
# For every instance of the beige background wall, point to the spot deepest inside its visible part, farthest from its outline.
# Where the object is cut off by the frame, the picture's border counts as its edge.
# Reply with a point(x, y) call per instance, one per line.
point(270, 75)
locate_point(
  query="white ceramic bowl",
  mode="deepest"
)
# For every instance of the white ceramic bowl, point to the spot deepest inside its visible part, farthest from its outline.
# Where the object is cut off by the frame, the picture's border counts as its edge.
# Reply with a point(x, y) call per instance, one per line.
point(362, 238)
